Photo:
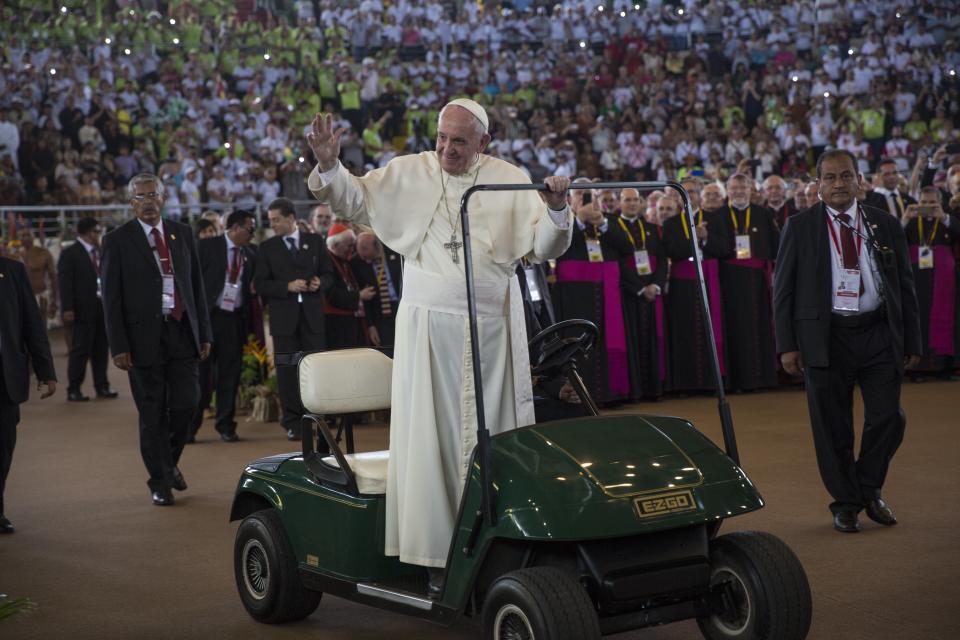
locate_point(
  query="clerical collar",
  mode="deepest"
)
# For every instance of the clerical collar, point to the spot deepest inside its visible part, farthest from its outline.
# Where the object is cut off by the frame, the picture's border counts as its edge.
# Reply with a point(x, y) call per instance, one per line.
point(738, 208)
point(628, 218)
point(472, 170)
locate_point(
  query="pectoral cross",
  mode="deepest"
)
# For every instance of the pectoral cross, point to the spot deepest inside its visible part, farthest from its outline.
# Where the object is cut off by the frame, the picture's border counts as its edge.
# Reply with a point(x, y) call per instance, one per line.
point(454, 248)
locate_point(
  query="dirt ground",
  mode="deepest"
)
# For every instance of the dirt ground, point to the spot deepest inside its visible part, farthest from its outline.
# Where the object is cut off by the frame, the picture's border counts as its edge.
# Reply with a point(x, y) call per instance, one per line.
point(102, 562)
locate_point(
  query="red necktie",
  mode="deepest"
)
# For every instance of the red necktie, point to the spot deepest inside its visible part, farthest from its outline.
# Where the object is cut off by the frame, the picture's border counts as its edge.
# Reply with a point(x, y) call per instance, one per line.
point(235, 265)
point(851, 259)
point(95, 258)
point(166, 267)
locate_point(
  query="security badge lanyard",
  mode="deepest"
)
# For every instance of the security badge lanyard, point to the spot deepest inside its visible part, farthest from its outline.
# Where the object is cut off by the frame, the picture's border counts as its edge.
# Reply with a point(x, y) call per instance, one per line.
point(594, 252)
point(640, 257)
point(742, 239)
point(925, 252)
point(847, 295)
point(231, 288)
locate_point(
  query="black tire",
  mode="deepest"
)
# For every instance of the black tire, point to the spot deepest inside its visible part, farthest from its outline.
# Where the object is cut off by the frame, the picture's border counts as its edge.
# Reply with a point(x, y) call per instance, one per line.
point(266, 571)
point(539, 603)
point(771, 592)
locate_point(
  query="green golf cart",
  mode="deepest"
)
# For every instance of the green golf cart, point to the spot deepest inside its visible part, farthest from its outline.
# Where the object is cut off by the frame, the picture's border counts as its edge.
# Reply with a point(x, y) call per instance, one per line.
point(567, 530)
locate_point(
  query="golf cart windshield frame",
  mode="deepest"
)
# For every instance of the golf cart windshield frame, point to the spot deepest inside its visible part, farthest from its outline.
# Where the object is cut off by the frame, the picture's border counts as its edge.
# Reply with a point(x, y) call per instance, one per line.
point(483, 435)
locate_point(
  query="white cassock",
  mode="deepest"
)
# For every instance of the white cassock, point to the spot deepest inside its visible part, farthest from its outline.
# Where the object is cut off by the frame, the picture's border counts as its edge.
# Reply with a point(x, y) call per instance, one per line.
point(433, 414)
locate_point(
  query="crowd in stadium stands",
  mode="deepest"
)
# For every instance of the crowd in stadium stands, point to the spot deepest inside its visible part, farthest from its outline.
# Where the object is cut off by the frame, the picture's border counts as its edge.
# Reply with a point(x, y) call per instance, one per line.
point(214, 96)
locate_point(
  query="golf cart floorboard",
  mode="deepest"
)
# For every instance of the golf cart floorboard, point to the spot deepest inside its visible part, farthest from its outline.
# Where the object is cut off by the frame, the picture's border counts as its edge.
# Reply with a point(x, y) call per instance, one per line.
point(415, 585)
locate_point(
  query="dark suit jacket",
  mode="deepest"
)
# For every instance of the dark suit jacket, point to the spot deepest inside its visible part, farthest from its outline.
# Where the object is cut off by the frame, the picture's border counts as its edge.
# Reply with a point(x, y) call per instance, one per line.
point(276, 267)
point(879, 201)
point(802, 290)
point(132, 288)
point(212, 253)
point(78, 283)
point(367, 277)
point(22, 333)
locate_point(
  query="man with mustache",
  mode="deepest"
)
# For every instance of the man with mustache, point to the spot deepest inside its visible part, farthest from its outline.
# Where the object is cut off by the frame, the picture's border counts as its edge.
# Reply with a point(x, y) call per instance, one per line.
point(846, 314)
point(158, 327)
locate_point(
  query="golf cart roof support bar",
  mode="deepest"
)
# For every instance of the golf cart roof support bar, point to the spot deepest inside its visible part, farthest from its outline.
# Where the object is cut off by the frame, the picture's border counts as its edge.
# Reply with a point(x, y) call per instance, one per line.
point(483, 436)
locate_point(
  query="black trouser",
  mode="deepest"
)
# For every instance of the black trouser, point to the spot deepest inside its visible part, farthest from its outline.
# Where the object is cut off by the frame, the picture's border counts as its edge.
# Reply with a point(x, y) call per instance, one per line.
point(303, 339)
point(858, 355)
point(166, 394)
point(9, 417)
point(224, 364)
point(89, 343)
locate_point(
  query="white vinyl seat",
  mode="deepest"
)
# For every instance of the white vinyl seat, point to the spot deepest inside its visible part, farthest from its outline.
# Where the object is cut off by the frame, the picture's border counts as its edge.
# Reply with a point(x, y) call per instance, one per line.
point(369, 468)
point(350, 381)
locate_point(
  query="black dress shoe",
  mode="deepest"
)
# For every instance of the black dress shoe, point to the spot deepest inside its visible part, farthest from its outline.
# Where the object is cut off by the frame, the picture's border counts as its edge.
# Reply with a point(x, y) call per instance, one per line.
point(229, 436)
point(292, 434)
point(880, 512)
point(5, 525)
point(162, 497)
point(106, 392)
point(77, 396)
point(178, 482)
point(846, 521)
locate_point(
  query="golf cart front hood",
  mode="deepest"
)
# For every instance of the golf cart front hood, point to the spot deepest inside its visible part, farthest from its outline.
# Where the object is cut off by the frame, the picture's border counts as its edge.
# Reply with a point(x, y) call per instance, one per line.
point(621, 473)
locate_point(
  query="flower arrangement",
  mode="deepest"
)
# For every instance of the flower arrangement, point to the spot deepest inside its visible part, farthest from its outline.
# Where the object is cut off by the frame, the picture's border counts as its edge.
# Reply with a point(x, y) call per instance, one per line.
point(258, 382)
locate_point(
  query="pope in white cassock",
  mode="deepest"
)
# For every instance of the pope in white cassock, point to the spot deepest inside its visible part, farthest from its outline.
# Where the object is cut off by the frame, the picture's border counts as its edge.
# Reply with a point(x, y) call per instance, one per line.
point(413, 204)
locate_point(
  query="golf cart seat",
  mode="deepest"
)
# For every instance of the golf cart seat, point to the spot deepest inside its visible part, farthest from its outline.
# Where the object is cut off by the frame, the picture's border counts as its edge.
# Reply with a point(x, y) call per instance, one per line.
point(344, 382)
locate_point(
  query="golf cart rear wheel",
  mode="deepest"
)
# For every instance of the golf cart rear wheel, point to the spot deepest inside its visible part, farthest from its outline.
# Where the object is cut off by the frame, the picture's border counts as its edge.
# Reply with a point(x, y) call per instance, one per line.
point(266, 571)
point(766, 593)
point(538, 603)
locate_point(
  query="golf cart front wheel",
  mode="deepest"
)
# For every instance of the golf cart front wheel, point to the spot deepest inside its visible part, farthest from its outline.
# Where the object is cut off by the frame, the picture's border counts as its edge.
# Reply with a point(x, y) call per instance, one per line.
point(266, 571)
point(539, 603)
point(763, 588)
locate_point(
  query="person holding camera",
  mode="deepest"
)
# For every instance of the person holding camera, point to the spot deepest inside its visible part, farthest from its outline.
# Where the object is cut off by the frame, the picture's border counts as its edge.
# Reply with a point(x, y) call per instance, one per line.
point(931, 234)
point(846, 313)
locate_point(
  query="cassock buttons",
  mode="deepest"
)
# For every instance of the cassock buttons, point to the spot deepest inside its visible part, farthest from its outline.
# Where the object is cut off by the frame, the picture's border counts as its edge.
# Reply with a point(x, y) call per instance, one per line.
point(306, 246)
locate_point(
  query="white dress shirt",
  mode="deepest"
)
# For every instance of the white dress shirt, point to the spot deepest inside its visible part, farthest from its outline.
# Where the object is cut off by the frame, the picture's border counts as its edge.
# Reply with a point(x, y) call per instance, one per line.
point(870, 298)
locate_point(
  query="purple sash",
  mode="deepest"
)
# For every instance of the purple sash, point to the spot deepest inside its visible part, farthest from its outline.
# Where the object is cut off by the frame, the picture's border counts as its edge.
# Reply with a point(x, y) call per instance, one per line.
point(608, 274)
point(943, 298)
point(686, 270)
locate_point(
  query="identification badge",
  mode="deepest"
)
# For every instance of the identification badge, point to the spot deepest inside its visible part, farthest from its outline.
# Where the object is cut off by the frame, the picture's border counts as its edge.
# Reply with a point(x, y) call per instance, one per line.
point(847, 295)
point(642, 258)
point(99, 288)
point(231, 293)
point(532, 286)
point(743, 247)
point(594, 252)
point(166, 298)
point(925, 255)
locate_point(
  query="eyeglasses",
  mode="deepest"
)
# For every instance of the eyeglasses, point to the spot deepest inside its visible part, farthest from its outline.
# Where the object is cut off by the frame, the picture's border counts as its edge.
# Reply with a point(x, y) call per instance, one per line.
point(140, 197)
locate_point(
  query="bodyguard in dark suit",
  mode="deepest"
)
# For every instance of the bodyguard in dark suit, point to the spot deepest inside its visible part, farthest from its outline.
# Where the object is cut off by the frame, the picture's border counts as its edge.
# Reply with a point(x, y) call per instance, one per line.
point(292, 276)
point(157, 326)
point(227, 264)
point(22, 340)
point(78, 272)
point(846, 314)
point(888, 197)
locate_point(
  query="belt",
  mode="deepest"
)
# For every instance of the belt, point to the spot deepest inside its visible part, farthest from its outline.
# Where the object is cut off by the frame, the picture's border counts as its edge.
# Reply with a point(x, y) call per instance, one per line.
point(859, 320)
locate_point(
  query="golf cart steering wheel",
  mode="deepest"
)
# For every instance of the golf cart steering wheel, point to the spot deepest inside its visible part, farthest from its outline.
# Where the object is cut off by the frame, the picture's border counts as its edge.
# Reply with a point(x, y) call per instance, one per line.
point(555, 345)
